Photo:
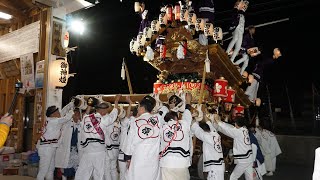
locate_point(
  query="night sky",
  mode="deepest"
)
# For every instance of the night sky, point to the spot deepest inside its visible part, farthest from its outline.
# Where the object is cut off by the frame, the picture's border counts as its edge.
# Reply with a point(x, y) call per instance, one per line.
point(111, 25)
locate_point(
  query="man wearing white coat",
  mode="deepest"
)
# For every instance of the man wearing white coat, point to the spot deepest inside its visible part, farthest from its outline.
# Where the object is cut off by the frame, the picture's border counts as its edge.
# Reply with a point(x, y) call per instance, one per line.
point(269, 147)
point(143, 142)
point(242, 150)
point(67, 154)
point(125, 124)
point(175, 145)
point(92, 140)
point(48, 142)
point(213, 162)
point(112, 148)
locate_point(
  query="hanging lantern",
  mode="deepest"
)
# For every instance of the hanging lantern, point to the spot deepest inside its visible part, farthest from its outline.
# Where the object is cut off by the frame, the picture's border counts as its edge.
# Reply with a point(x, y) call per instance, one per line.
point(132, 45)
point(177, 12)
point(185, 46)
point(162, 20)
point(59, 72)
point(141, 40)
point(163, 49)
point(200, 24)
point(217, 34)
point(238, 111)
point(208, 29)
point(155, 26)
point(136, 47)
point(169, 14)
point(147, 33)
point(231, 95)
point(220, 88)
point(192, 20)
point(184, 15)
point(156, 87)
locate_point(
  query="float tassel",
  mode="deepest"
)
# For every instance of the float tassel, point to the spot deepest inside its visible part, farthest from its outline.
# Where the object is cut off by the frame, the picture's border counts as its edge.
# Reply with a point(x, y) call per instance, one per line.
point(123, 72)
point(207, 63)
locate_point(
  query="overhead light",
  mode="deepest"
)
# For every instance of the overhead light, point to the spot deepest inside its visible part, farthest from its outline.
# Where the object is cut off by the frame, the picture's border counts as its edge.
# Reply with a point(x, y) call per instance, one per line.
point(77, 26)
point(5, 15)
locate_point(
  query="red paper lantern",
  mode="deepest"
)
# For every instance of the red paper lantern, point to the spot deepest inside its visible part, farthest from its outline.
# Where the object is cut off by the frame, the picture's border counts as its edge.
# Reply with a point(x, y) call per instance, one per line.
point(238, 110)
point(163, 51)
point(231, 95)
point(220, 88)
point(177, 12)
point(185, 46)
point(169, 13)
point(157, 87)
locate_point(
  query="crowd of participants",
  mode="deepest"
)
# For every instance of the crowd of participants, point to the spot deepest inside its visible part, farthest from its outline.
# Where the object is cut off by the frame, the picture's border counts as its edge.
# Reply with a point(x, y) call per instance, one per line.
point(151, 140)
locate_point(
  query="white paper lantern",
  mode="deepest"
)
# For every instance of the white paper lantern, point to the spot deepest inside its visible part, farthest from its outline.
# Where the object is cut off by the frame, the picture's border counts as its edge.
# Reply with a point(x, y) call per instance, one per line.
point(147, 33)
point(132, 45)
point(217, 34)
point(208, 29)
point(59, 72)
point(155, 26)
point(192, 19)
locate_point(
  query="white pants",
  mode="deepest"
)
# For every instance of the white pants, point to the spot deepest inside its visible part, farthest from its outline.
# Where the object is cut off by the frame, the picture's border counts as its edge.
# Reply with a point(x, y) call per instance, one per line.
point(91, 164)
point(46, 164)
point(252, 91)
point(110, 172)
point(241, 168)
point(244, 60)
point(122, 169)
point(270, 163)
point(236, 41)
point(215, 175)
point(175, 173)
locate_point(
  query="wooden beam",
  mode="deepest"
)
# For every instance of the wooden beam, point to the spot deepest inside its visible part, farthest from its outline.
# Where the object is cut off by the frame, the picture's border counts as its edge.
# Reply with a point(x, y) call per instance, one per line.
point(13, 12)
point(8, 4)
point(4, 21)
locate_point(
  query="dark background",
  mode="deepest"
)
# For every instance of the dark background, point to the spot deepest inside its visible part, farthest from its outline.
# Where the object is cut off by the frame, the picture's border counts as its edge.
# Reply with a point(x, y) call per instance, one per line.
point(110, 25)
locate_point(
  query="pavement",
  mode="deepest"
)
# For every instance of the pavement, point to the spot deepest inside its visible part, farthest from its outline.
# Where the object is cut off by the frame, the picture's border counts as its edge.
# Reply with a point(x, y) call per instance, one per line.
point(283, 172)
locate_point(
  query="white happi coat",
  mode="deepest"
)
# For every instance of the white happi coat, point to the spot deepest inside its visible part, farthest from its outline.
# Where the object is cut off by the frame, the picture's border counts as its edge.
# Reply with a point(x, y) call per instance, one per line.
point(112, 136)
point(63, 151)
point(92, 160)
point(143, 144)
point(175, 142)
point(48, 142)
point(124, 128)
point(269, 147)
point(242, 150)
point(212, 149)
point(52, 129)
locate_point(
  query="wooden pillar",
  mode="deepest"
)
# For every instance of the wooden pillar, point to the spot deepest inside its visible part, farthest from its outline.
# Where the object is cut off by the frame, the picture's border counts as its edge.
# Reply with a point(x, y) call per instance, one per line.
point(41, 93)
